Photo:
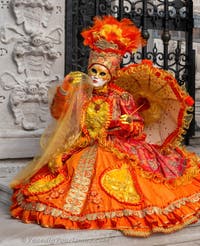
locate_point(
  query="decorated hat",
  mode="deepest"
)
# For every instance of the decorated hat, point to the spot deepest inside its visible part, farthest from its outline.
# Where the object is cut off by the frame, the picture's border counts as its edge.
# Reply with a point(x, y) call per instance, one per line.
point(109, 39)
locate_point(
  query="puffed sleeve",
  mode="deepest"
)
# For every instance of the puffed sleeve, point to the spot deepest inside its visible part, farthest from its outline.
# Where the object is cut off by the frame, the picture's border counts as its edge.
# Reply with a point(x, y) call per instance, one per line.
point(59, 103)
point(127, 108)
point(61, 100)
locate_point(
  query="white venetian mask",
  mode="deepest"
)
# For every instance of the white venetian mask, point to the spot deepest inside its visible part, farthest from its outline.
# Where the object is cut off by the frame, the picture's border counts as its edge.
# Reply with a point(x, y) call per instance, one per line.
point(99, 75)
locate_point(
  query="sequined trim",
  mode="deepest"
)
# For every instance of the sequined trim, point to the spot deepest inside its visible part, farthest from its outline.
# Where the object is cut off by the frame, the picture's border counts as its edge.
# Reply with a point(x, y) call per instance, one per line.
point(96, 117)
point(81, 181)
point(34, 206)
point(132, 232)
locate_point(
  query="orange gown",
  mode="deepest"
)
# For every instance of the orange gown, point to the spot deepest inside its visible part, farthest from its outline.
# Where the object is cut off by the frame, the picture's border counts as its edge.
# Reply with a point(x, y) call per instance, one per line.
point(112, 178)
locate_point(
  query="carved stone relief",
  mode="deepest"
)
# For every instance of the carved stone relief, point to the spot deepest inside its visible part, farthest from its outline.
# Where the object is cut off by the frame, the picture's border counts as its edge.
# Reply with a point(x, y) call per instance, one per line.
point(4, 4)
point(32, 14)
point(31, 61)
point(34, 54)
point(28, 100)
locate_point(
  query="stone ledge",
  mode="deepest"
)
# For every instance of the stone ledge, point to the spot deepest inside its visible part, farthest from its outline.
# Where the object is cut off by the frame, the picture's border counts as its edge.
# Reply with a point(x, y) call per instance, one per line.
point(14, 232)
point(195, 142)
point(10, 167)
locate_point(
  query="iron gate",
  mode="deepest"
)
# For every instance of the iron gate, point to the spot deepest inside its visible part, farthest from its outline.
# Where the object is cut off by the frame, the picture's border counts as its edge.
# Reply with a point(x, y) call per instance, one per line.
point(165, 21)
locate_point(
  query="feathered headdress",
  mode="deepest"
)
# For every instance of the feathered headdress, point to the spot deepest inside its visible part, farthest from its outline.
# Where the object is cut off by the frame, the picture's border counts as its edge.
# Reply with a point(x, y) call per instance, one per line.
point(110, 35)
point(111, 39)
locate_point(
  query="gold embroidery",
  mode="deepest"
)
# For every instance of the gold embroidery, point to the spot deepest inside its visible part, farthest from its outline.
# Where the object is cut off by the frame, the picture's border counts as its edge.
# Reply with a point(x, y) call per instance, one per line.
point(119, 183)
point(132, 232)
point(195, 198)
point(45, 184)
point(192, 169)
point(95, 197)
point(96, 117)
point(40, 207)
point(125, 96)
point(81, 181)
point(104, 44)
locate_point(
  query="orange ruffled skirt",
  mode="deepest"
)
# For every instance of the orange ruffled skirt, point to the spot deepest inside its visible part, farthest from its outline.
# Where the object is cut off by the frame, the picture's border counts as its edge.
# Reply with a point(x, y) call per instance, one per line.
point(98, 190)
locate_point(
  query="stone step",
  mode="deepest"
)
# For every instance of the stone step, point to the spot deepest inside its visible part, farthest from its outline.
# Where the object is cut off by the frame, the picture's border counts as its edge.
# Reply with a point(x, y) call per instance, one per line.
point(10, 167)
point(14, 232)
point(5, 191)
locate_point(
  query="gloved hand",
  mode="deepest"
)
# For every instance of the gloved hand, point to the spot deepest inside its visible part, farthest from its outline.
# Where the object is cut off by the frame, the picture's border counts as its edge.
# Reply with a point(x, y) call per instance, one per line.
point(126, 122)
point(72, 78)
point(66, 84)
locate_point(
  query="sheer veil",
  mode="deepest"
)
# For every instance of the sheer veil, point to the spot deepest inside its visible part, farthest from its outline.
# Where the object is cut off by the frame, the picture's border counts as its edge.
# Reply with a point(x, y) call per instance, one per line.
point(60, 134)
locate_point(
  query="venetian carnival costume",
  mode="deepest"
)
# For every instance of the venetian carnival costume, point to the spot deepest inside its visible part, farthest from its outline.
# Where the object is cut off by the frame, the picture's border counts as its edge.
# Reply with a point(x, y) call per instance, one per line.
point(106, 164)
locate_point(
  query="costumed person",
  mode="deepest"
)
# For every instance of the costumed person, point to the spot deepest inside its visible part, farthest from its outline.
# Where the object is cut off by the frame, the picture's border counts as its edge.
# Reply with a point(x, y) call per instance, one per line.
point(113, 159)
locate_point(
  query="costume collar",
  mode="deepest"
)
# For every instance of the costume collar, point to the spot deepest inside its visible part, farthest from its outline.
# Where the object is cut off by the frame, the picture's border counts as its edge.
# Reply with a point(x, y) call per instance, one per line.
point(101, 91)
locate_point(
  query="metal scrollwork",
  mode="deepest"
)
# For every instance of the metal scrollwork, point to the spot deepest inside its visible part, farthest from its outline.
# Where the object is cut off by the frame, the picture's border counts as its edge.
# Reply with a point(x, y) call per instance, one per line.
point(182, 12)
point(114, 8)
point(105, 7)
point(158, 14)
